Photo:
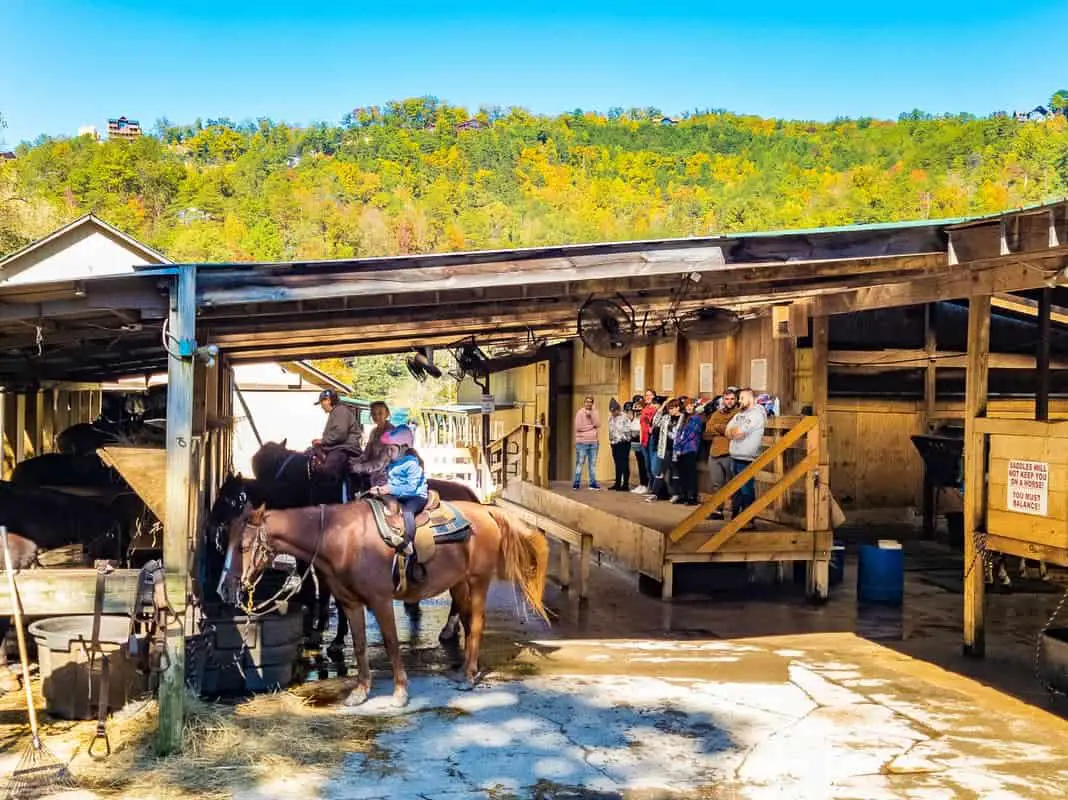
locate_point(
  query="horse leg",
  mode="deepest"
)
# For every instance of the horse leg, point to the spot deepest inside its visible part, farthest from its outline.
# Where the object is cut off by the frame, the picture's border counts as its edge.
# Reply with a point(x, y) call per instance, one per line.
point(354, 613)
point(337, 647)
point(477, 595)
point(387, 623)
point(451, 631)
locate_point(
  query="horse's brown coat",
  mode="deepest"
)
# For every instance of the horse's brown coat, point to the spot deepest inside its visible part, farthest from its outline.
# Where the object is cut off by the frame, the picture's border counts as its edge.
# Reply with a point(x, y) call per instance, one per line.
point(357, 566)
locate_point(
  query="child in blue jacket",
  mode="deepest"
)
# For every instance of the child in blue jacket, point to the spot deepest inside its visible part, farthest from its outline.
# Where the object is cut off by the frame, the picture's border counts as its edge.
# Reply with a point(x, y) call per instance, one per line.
point(405, 478)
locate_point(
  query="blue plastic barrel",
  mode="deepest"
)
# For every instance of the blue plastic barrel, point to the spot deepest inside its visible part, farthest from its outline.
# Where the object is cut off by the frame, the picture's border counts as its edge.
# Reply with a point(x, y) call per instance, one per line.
point(881, 575)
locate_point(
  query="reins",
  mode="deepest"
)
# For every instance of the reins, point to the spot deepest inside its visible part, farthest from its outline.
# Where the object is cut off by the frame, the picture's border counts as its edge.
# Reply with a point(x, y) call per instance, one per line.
point(282, 595)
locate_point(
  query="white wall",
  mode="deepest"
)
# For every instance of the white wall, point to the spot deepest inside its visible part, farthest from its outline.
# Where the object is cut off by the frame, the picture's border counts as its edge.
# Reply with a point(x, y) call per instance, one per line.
point(83, 253)
point(288, 415)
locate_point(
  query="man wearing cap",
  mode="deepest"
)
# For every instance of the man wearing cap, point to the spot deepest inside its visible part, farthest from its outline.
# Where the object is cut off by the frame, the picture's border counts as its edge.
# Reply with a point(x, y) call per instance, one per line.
point(342, 434)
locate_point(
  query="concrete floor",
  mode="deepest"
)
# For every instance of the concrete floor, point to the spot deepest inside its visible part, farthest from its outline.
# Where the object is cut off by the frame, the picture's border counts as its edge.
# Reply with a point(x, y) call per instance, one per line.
point(740, 691)
point(747, 694)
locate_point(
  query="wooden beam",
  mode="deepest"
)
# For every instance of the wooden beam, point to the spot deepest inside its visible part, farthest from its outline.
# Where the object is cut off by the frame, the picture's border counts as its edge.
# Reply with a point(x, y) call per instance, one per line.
point(905, 358)
point(818, 482)
point(177, 534)
point(1042, 354)
point(930, 400)
point(53, 592)
point(1027, 307)
point(1038, 270)
point(930, 342)
point(975, 407)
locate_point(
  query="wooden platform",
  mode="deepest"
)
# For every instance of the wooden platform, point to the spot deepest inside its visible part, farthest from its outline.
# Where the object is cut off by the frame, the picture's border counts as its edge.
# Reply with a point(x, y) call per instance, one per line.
point(634, 532)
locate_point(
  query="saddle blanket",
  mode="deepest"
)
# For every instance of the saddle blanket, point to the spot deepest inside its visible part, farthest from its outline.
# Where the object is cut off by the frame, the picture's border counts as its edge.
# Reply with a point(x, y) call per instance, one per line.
point(439, 523)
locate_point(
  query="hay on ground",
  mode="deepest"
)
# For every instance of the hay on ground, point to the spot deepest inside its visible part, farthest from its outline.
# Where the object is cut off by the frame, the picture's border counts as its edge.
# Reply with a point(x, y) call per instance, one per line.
point(226, 746)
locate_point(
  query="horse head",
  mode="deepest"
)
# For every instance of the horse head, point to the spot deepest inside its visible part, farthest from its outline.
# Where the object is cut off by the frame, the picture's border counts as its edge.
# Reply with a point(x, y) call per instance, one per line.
point(248, 554)
point(267, 460)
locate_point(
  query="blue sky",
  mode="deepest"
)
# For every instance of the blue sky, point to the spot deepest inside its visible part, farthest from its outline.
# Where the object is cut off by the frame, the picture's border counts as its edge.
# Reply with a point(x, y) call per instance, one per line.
point(65, 63)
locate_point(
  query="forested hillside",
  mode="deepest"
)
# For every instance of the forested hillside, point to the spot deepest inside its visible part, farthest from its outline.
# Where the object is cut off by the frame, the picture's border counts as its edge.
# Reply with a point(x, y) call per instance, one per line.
point(419, 176)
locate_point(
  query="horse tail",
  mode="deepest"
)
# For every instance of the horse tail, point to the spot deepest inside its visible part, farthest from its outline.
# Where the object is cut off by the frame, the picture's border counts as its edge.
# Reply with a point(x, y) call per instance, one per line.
point(524, 559)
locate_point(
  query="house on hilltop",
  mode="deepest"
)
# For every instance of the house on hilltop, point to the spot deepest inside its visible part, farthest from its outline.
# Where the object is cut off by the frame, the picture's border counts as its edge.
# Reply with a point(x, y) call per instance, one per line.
point(123, 128)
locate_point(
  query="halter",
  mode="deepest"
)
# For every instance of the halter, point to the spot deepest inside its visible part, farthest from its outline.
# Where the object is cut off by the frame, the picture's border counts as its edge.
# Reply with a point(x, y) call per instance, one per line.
point(262, 545)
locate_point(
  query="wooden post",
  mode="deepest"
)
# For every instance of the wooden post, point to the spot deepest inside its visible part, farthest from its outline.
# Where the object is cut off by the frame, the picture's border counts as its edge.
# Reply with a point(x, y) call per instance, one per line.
point(975, 406)
point(48, 424)
point(585, 554)
point(818, 512)
point(35, 413)
point(524, 452)
point(1045, 303)
point(565, 564)
point(179, 478)
point(20, 427)
point(930, 397)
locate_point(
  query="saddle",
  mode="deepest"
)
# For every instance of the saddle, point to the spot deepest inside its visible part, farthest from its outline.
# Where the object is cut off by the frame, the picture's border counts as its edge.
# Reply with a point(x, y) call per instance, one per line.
point(438, 523)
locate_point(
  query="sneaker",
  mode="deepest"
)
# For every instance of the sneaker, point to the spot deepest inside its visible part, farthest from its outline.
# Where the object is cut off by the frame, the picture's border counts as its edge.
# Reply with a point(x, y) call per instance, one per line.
point(595, 487)
point(650, 498)
point(676, 499)
point(639, 490)
point(574, 487)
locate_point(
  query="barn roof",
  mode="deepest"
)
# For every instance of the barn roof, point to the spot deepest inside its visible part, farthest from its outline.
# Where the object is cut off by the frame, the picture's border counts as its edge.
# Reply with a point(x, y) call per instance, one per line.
point(103, 327)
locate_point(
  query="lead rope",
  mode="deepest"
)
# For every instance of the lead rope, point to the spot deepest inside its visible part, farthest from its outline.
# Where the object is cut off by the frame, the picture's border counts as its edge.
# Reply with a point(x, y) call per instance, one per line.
point(256, 612)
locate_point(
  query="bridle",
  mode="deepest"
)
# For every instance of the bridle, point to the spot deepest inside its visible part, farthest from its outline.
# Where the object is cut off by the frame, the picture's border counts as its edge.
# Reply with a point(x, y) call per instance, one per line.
point(261, 553)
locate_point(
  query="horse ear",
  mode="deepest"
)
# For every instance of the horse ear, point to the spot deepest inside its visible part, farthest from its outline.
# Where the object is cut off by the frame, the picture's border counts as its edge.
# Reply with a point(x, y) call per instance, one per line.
point(284, 441)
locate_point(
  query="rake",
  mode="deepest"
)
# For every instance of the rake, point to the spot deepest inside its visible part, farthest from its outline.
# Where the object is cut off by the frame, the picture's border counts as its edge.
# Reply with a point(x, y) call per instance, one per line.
point(39, 773)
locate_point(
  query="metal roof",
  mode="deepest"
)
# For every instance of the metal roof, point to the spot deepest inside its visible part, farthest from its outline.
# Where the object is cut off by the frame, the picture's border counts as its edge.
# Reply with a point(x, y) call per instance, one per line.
point(104, 327)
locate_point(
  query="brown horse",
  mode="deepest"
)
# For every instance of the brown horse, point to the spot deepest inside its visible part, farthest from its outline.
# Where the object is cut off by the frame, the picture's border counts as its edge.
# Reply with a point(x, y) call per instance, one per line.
point(343, 542)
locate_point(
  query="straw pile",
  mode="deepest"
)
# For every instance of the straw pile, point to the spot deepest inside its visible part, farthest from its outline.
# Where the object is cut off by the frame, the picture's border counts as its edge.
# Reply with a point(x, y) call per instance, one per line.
point(226, 747)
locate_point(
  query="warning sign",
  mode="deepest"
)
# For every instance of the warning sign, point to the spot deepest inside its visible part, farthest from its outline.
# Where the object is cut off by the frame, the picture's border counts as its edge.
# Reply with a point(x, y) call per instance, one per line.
point(1028, 487)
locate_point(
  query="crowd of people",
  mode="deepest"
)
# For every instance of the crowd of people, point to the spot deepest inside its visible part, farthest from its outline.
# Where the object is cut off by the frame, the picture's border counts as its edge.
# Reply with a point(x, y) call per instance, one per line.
point(667, 438)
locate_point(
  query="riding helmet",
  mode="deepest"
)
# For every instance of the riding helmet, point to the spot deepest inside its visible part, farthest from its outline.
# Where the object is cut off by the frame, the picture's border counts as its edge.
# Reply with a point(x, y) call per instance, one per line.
point(402, 434)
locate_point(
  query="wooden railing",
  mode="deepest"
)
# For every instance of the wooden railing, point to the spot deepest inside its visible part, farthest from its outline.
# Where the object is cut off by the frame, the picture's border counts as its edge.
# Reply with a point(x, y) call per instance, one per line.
point(521, 454)
point(817, 497)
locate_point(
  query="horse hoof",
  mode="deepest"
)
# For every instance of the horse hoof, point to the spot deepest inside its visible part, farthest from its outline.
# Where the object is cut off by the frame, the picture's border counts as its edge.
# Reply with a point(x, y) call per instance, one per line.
point(357, 697)
point(463, 681)
point(400, 697)
point(450, 632)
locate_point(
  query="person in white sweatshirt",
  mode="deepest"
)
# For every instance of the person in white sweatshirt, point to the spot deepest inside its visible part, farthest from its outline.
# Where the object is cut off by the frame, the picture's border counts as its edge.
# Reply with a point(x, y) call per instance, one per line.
point(745, 431)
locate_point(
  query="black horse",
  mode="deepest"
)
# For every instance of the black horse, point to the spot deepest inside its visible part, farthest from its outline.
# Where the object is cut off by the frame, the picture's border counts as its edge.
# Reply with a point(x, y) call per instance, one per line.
point(44, 519)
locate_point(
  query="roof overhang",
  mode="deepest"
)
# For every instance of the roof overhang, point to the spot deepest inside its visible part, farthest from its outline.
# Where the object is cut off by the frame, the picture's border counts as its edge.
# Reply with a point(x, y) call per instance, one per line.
point(107, 327)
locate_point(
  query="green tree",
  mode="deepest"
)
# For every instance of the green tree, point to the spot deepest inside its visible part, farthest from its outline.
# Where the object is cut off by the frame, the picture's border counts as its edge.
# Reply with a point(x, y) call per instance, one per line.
point(1059, 101)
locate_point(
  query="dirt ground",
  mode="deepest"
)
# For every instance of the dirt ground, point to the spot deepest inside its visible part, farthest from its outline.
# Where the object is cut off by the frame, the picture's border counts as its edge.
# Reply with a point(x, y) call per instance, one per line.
point(744, 693)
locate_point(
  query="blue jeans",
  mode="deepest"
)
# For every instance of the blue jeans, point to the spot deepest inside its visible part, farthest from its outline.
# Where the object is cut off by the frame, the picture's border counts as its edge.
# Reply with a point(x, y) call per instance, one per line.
point(745, 496)
point(653, 462)
point(585, 453)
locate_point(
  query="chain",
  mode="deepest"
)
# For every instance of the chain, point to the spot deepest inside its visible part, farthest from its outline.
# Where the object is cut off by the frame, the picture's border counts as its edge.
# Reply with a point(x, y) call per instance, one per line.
point(981, 552)
point(1036, 664)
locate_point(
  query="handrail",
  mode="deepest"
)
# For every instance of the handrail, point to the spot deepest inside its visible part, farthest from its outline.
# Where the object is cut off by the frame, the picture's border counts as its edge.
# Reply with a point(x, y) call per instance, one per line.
point(802, 468)
point(719, 497)
point(499, 445)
